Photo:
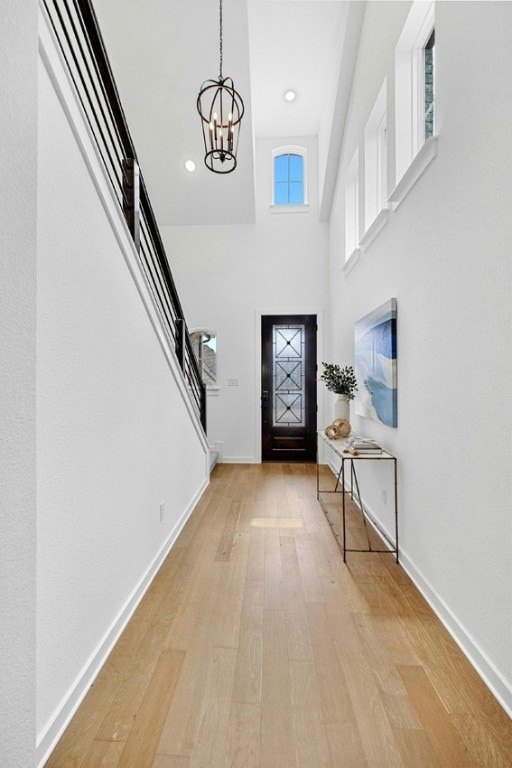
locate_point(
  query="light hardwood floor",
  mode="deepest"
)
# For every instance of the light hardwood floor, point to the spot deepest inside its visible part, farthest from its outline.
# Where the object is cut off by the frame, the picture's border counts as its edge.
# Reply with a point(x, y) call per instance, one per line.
point(256, 647)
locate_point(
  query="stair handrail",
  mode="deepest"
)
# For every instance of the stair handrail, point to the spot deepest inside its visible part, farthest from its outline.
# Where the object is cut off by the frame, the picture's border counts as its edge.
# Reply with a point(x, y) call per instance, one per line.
point(77, 30)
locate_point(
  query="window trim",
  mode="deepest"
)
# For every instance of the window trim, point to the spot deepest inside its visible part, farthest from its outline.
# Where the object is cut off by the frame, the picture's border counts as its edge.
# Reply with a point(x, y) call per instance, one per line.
point(290, 149)
point(375, 161)
point(410, 85)
point(352, 207)
point(414, 172)
point(373, 230)
point(351, 262)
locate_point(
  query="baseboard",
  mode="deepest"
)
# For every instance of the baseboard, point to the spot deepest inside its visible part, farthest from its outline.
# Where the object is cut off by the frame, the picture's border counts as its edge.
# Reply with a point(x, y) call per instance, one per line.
point(491, 676)
point(213, 457)
point(48, 739)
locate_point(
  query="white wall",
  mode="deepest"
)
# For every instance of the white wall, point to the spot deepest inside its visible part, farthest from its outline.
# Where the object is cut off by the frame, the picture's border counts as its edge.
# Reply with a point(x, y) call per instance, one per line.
point(18, 171)
point(115, 435)
point(445, 256)
point(227, 276)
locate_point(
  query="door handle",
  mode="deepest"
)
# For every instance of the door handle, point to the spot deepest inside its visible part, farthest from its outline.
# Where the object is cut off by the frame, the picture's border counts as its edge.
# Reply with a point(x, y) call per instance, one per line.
point(264, 405)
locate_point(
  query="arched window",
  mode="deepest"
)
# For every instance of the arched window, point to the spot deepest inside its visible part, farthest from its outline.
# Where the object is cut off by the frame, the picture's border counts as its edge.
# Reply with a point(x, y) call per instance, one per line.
point(289, 176)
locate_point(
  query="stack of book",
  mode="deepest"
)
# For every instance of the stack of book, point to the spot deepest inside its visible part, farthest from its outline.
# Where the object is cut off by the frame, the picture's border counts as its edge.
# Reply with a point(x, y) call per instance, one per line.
point(363, 445)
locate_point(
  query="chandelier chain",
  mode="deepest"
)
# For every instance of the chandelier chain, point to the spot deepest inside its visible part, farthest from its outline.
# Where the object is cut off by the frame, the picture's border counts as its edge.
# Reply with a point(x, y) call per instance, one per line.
point(220, 39)
point(221, 109)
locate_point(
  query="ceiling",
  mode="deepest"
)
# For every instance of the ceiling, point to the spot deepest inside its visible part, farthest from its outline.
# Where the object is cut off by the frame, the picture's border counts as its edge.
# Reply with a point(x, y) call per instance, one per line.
point(161, 51)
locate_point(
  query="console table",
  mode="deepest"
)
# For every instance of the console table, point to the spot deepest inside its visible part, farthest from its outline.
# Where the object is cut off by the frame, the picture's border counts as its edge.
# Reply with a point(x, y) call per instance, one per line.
point(339, 448)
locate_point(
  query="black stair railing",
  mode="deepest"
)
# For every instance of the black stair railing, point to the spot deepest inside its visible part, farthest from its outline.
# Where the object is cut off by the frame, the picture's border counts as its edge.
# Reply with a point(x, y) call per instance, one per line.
point(76, 29)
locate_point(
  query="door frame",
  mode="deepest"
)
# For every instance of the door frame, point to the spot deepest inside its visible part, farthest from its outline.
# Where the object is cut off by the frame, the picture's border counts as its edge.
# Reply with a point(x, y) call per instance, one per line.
point(294, 310)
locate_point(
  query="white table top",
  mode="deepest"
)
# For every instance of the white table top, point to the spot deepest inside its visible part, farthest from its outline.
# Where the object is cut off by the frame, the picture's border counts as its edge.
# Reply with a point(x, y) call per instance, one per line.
point(339, 446)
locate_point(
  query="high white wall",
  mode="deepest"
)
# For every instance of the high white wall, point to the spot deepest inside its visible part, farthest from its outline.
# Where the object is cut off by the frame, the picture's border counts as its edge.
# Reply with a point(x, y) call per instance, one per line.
point(445, 256)
point(115, 435)
point(18, 171)
point(227, 276)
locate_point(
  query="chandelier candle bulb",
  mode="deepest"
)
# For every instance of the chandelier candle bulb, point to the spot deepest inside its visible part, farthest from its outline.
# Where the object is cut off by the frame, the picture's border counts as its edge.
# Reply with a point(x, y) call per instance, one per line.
point(211, 135)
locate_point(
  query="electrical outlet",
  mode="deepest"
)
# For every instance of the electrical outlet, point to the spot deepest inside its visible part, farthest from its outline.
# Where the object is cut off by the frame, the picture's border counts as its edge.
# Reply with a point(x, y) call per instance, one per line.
point(162, 510)
point(233, 382)
point(384, 496)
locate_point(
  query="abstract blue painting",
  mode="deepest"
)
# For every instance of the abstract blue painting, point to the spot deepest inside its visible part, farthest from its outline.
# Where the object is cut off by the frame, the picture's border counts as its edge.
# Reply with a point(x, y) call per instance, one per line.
point(375, 364)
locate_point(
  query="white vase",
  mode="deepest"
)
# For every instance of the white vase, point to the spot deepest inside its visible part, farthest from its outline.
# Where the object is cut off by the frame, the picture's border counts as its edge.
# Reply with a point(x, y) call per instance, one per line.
point(341, 408)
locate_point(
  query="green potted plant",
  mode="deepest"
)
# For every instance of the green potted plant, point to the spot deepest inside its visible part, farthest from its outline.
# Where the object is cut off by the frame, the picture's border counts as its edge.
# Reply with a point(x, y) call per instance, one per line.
point(341, 381)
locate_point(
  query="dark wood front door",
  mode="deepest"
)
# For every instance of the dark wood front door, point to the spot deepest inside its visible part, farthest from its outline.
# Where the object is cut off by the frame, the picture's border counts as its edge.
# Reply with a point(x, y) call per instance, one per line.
point(288, 387)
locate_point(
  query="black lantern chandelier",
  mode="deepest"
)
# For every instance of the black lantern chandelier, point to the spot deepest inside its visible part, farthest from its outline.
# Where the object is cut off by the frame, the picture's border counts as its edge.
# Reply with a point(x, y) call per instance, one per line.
point(221, 109)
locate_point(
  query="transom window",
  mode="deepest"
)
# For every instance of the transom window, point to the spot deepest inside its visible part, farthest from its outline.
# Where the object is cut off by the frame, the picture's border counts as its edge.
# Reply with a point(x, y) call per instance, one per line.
point(428, 84)
point(289, 176)
point(414, 85)
point(375, 159)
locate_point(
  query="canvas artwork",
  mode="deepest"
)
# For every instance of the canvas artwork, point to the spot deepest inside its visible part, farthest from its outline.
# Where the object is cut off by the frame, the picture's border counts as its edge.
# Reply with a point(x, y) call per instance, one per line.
point(375, 365)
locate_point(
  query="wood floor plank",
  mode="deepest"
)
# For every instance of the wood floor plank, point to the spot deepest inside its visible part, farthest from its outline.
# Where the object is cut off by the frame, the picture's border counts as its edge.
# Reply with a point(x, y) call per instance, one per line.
point(313, 592)
point(103, 753)
point(415, 748)
point(275, 598)
point(310, 735)
point(140, 748)
point(345, 744)
point(394, 639)
point(292, 581)
point(456, 682)
point(228, 534)
point(379, 742)
point(297, 632)
point(444, 738)
point(244, 745)
point(171, 761)
point(179, 731)
point(211, 744)
point(484, 746)
point(384, 596)
point(202, 590)
point(256, 558)
point(277, 736)
point(248, 672)
point(271, 536)
point(74, 746)
point(229, 608)
point(124, 707)
point(257, 647)
point(399, 710)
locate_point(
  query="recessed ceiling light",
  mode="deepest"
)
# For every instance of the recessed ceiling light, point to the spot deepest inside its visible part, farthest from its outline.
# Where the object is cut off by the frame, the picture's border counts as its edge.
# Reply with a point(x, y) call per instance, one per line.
point(290, 95)
point(190, 166)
